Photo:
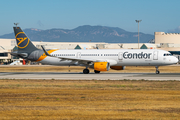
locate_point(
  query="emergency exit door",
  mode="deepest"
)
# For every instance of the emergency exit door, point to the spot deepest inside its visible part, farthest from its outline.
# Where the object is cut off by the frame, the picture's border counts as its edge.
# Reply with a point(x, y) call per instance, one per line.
point(78, 55)
point(120, 55)
point(155, 55)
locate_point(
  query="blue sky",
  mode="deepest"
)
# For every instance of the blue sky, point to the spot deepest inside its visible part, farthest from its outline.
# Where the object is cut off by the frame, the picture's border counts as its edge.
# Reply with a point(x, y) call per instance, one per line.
point(156, 15)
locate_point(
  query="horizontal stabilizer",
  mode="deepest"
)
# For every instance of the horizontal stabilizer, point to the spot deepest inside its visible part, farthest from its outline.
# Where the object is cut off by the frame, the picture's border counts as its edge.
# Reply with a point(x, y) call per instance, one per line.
point(23, 55)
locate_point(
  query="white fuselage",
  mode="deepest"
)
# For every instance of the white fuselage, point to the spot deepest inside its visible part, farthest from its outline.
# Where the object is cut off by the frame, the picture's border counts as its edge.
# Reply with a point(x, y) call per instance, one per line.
point(116, 57)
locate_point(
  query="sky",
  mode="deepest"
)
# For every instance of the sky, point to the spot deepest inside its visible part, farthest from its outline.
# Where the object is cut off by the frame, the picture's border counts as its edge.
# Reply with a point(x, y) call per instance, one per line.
point(156, 15)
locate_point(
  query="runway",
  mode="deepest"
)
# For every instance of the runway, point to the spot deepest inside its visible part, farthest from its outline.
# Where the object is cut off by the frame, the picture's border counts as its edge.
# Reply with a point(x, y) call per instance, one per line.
point(91, 76)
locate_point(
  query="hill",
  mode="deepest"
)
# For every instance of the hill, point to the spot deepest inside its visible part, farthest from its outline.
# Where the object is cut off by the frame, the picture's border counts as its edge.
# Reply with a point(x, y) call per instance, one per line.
point(84, 34)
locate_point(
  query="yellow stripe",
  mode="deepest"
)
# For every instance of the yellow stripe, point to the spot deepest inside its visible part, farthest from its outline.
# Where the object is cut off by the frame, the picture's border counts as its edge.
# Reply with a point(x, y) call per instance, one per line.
point(44, 55)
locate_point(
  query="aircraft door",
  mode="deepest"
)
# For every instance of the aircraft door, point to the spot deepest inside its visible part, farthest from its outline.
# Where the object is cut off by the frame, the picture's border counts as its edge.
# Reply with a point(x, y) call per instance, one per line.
point(78, 55)
point(120, 56)
point(155, 55)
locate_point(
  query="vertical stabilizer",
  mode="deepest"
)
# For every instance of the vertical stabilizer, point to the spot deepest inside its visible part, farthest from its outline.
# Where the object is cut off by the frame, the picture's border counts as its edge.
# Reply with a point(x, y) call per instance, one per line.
point(23, 42)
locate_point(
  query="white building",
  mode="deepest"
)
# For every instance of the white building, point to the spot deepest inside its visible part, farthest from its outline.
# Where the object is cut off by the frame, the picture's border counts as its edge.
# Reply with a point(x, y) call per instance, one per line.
point(169, 42)
point(162, 37)
point(6, 45)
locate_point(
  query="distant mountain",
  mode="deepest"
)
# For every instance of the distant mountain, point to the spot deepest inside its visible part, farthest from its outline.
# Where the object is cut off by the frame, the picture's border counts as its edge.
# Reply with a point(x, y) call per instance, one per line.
point(84, 34)
point(176, 30)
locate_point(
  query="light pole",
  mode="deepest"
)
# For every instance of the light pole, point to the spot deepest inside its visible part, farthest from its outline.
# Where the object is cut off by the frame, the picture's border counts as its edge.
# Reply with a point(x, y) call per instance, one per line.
point(138, 30)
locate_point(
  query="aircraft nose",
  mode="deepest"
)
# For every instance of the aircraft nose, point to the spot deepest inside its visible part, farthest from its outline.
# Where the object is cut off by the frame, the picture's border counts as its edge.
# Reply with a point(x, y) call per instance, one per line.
point(175, 60)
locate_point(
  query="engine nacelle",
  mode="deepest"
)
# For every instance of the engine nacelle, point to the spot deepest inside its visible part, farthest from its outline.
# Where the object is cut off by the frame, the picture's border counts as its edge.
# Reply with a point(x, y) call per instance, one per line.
point(117, 67)
point(101, 66)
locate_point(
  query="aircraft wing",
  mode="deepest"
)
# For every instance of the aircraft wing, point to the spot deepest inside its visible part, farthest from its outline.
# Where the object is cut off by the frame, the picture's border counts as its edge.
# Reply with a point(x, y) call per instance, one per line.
point(79, 60)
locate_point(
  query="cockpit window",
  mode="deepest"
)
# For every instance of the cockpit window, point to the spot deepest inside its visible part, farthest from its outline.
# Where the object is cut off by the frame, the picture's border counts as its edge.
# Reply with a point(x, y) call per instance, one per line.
point(167, 54)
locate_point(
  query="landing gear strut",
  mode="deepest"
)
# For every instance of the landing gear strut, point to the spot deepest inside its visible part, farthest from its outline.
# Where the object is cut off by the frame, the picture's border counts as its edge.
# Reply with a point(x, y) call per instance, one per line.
point(86, 71)
point(95, 71)
point(157, 71)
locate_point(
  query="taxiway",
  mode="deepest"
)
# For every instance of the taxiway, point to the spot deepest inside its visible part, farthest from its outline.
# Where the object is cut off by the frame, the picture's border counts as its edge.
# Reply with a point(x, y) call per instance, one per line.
point(91, 76)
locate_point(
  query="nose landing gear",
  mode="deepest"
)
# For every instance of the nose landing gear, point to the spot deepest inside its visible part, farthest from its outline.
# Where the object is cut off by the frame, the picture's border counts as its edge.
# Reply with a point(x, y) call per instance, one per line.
point(157, 71)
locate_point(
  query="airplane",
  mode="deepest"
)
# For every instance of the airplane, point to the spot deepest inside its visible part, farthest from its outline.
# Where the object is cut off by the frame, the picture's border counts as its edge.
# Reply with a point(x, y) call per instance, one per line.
point(98, 59)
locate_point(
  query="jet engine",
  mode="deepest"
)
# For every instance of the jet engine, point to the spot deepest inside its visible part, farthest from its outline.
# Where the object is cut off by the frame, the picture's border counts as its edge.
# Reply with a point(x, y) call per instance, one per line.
point(101, 66)
point(117, 67)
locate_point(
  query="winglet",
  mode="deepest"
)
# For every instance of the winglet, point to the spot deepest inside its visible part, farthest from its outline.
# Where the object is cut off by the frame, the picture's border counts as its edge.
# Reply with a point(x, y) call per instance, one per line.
point(45, 51)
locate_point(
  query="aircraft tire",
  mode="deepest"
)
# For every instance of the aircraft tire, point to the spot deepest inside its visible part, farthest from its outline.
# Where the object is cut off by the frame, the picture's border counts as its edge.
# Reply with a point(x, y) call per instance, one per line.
point(95, 71)
point(157, 72)
point(86, 71)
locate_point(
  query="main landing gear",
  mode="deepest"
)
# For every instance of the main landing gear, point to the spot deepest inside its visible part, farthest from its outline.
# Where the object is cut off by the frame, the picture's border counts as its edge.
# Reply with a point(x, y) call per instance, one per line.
point(157, 71)
point(86, 71)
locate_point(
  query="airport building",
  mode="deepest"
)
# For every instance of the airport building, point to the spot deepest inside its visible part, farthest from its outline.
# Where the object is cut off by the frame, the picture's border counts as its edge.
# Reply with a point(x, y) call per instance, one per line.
point(172, 38)
point(164, 41)
point(6, 45)
point(9, 45)
point(167, 41)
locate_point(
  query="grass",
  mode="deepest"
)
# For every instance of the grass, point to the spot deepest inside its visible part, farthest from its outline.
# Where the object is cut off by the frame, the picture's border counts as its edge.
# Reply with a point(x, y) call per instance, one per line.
point(74, 99)
point(88, 99)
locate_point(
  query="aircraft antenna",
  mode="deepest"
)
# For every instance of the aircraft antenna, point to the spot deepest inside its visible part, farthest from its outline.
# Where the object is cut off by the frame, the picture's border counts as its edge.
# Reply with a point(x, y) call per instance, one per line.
point(16, 24)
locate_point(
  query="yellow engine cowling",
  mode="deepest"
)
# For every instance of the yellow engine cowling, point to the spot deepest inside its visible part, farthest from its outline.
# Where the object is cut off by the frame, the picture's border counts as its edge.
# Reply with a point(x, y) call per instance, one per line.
point(101, 66)
point(117, 67)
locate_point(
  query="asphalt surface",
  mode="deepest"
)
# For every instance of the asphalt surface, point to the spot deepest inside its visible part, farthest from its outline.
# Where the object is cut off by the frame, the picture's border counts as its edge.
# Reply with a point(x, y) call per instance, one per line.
point(91, 76)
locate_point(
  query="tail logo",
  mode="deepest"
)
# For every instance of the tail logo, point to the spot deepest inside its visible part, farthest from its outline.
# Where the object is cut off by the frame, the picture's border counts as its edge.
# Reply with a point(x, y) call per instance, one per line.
point(22, 40)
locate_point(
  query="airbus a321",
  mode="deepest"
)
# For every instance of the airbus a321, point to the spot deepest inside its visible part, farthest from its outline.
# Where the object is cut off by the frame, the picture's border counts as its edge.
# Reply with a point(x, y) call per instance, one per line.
point(98, 59)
